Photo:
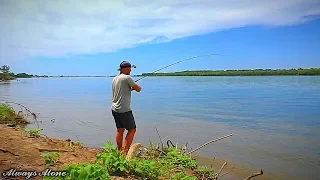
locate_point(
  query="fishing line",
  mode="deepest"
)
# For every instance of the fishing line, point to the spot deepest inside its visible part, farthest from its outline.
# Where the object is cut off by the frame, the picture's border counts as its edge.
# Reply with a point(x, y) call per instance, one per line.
point(213, 54)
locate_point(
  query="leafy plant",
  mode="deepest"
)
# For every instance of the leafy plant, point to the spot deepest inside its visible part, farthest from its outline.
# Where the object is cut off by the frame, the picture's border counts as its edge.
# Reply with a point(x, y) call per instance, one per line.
point(146, 169)
point(8, 115)
point(178, 160)
point(205, 171)
point(34, 132)
point(78, 143)
point(182, 176)
point(50, 158)
point(86, 171)
point(113, 160)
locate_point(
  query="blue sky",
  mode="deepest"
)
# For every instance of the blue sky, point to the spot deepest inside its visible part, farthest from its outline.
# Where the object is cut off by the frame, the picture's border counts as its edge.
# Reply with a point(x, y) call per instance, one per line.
point(56, 38)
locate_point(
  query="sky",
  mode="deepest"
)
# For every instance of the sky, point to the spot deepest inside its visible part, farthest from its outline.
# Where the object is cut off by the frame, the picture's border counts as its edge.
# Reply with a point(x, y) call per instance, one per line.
point(79, 37)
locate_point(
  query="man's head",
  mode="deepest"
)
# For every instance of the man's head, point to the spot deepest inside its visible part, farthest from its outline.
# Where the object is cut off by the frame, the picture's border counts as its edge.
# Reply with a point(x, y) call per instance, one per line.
point(125, 67)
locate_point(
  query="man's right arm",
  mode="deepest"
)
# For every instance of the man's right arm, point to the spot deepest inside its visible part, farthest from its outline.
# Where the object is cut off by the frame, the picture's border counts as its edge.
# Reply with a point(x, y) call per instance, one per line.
point(136, 87)
point(133, 85)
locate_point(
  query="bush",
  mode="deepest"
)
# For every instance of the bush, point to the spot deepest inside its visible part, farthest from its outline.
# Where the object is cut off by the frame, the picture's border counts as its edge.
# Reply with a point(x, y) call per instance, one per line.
point(178, 160)
point(113, 160)
point(50, 158)
point(205, 171)
point(86, 171)
point(182, 176)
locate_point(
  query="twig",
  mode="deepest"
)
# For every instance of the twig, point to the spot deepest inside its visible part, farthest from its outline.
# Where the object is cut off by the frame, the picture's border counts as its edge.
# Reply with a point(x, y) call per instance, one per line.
point(159, 136)
point(33, 114)
point(53, 150)
point(254, 175)
point(209, 143)
point(217, 175)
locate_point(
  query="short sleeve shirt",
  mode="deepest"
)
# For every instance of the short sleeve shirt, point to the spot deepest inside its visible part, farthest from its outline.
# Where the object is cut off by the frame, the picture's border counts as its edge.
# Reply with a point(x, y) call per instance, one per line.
point(121, 93)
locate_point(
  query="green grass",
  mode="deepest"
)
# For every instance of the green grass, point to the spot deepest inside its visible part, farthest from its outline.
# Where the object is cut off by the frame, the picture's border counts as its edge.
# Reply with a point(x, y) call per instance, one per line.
point(9, 116)
point(169, 165)
point(34, 132)
point(50, 158)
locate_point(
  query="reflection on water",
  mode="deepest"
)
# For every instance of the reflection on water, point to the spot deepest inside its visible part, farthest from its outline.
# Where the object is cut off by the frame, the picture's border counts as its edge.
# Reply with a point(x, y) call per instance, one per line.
point(276, 120)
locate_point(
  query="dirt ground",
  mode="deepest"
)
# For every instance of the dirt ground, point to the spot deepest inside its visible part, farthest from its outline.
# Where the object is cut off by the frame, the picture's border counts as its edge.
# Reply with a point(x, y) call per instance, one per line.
point(22, 153)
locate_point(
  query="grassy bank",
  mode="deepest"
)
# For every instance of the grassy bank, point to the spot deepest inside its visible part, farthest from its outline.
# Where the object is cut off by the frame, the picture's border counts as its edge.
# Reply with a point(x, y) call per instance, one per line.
point(149, 164)
point(6, 77)
point(9, 116)
point(255, 72)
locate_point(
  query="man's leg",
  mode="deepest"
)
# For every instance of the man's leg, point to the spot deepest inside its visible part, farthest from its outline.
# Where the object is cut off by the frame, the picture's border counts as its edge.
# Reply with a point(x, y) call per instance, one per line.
point(128, 140)
point(119, 138)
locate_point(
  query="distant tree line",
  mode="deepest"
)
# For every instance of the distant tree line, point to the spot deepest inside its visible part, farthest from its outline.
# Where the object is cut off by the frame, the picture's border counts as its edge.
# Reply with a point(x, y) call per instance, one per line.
point(6, 75)
point(248, 72)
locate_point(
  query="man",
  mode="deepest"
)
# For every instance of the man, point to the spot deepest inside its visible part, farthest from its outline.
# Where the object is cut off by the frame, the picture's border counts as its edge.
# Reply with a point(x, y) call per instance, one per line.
point(122, 85)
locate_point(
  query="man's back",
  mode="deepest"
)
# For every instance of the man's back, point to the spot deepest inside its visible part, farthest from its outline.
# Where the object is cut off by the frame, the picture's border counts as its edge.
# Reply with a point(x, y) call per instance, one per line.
point(121, 93)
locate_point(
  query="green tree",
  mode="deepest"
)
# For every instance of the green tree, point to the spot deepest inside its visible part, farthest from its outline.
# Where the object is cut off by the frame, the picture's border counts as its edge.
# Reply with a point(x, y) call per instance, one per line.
point(5, 73)
point(5, 69)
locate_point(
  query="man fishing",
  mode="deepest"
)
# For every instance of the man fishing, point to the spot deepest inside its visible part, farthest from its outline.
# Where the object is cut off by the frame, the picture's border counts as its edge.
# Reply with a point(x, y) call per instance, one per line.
point(122, 85)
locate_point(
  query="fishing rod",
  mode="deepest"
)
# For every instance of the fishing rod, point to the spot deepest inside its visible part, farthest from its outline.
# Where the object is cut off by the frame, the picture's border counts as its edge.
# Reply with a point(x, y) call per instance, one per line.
point(213, 54)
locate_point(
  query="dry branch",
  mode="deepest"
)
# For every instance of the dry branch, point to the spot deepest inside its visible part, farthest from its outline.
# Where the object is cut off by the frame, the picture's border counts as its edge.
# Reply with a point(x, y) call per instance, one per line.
point(209, 143)
point(217, 175)
point(254, 175)
point(53, 150)
point(33, 114)
point(159, 136)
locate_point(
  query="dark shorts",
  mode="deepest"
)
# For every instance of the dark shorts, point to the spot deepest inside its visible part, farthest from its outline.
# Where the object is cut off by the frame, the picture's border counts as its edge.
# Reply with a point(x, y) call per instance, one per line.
point(124, 120)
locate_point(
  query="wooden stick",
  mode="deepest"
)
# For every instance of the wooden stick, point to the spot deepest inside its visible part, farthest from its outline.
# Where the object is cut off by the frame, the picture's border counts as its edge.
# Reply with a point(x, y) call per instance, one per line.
point(202, 177)
point(254, 175)
point(53, 150)
point(217, 175)
point(159, 137)
point(209, 143)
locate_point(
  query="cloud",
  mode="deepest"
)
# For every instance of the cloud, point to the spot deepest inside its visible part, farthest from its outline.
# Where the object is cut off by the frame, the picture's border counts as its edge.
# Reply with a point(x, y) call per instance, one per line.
point(66, 27)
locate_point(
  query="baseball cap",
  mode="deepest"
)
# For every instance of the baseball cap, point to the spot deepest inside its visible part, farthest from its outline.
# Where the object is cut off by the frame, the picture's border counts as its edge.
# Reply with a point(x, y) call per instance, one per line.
point(125, 64)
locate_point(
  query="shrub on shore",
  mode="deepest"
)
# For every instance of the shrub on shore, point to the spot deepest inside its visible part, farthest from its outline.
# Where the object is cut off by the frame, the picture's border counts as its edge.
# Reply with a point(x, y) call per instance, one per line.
point(9, 116)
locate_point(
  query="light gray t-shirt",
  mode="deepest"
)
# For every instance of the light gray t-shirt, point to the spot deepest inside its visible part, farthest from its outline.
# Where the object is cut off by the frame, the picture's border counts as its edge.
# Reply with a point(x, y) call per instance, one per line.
point(121, 93)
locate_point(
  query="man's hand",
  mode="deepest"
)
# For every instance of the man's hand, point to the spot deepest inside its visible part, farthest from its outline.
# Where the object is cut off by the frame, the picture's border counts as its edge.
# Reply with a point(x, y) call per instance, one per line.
point(136, 87)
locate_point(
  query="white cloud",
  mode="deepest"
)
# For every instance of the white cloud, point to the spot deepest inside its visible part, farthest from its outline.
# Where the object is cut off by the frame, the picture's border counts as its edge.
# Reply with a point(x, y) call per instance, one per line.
point(61, 27)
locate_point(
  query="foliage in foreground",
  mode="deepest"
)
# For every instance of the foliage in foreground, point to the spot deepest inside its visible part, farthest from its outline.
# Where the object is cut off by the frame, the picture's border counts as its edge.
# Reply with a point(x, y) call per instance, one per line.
point(111, 163)
point(50, 158)
point(34, 132)
point(206, 172)
point(8, 115)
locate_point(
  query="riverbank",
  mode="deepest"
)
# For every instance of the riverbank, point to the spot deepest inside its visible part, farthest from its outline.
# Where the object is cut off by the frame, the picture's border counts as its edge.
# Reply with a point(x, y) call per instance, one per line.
point(245, 72)
point(23, 153)
point(29, 150)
